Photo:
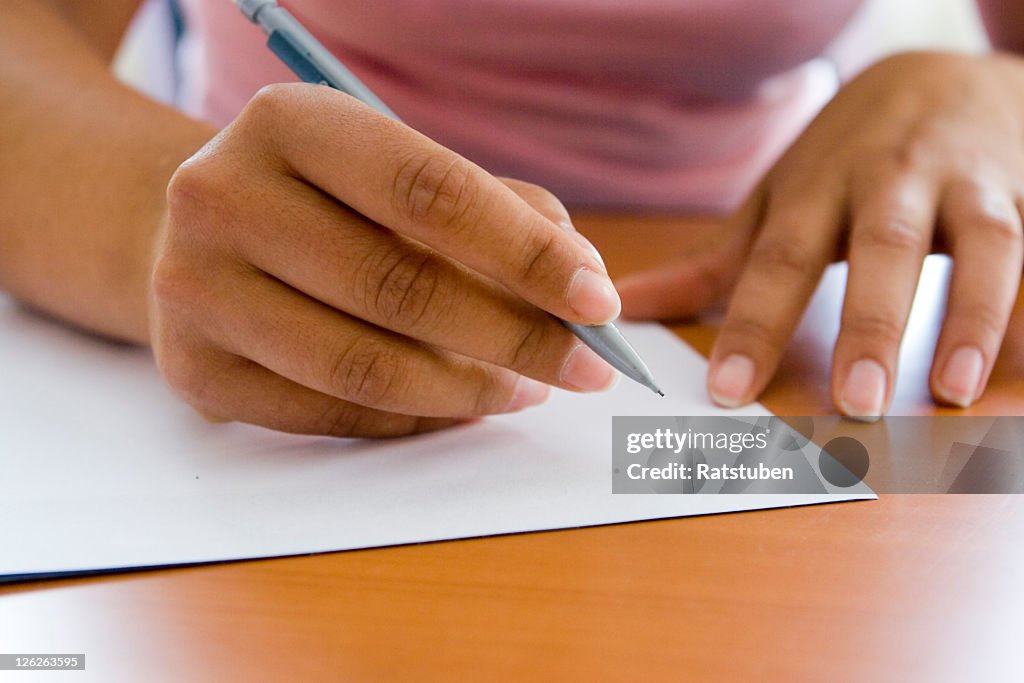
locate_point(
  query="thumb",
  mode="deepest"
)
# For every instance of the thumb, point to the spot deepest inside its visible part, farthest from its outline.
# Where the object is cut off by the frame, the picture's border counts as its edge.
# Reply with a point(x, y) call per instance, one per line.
point(680, 290)
point(697, 283)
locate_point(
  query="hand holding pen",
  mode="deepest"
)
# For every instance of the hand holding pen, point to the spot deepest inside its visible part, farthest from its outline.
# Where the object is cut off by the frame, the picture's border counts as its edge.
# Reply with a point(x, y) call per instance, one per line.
point(313, 63)
point(325, 269)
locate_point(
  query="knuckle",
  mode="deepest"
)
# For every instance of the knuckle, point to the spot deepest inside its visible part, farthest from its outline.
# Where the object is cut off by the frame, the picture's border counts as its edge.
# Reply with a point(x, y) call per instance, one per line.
point(406, 290)
point(365, 373)
point(188, 185)
point(186, 375)
point(997, 225)
point(484, 391)
point(343, 419)
point(914, 150)
point(437, 190)
point(784, 259)
point(749, 332)
point(490, 394)
point(893, 233)
point(201, 187)
point(338, 419)
point(529, 346)
point(539, 256)
point(872, 327)
point(982, 320)
point(271, 110)
point(270, 101)
point(174, 284)
point(910, 153)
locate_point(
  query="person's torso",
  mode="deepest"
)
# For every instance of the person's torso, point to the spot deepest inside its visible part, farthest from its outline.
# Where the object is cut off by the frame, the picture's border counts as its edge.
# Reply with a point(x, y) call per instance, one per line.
point(654, 103)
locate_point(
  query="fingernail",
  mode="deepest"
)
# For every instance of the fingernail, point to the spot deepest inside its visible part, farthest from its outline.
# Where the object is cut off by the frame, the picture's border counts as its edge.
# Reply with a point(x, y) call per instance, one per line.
point(960, 377)
point(593, 297)
point(863, 393)
point(591, 249)
point(730, 381)
point(528, 393)
point(585, 370)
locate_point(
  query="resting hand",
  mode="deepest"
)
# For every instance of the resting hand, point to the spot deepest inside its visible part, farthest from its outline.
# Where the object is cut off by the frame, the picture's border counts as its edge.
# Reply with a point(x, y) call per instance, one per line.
point(921, 152)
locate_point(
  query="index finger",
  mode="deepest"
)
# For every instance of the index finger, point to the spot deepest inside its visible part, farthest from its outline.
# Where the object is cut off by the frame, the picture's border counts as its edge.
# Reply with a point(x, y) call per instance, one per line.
point(403, 180)
point(798, 238)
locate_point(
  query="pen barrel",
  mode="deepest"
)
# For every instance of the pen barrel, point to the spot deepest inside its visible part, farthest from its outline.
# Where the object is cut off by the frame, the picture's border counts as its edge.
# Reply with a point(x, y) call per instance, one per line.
point(310, 60)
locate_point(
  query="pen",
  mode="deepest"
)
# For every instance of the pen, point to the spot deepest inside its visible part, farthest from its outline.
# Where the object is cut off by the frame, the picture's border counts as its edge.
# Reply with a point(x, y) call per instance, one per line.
point(313, 63)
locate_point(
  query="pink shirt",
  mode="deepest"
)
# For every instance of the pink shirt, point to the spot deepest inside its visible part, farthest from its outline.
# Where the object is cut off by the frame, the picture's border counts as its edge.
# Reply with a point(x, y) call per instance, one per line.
point(651, 104)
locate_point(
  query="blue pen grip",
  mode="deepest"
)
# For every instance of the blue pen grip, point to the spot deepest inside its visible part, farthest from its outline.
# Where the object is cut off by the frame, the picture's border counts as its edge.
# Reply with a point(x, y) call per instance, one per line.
point(296, 61)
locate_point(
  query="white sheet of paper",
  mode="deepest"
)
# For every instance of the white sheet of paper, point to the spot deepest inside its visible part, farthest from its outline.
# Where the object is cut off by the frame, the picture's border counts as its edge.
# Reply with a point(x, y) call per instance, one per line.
point(102, 467)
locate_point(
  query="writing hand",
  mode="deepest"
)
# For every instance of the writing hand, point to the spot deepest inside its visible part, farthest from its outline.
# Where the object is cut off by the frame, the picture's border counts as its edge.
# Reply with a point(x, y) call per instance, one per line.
point(324, 269)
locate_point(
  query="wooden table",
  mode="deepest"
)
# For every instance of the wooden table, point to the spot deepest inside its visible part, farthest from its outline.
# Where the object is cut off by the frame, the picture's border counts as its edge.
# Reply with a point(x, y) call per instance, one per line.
point(909, 587)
